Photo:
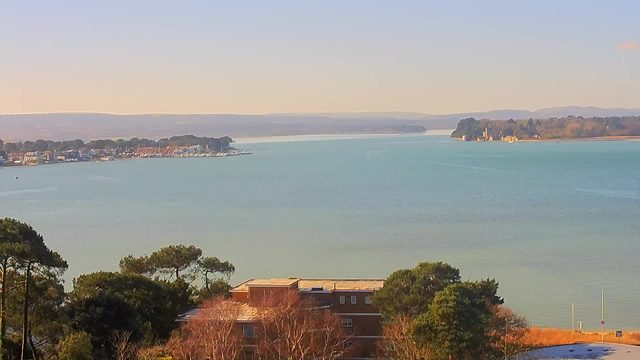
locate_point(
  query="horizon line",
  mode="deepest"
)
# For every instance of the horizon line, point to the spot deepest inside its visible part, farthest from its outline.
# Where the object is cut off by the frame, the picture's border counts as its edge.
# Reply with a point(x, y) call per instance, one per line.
point(319, 112)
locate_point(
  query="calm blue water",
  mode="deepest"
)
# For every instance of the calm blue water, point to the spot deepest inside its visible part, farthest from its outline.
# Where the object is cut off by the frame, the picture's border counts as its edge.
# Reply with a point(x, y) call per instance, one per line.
point(554, 223)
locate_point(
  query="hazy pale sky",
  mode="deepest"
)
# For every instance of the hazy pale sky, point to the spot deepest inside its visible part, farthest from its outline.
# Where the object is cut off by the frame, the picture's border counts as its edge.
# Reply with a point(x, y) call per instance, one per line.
point(313, 56)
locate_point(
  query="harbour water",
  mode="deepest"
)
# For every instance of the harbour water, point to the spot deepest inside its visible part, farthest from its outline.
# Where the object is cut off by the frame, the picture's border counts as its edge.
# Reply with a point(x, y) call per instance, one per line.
point(554, 222)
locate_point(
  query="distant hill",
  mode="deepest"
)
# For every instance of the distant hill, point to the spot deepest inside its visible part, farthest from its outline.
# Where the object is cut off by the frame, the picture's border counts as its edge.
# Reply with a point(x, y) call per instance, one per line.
point(64, 126)
point(584, 111)
point(588, 111)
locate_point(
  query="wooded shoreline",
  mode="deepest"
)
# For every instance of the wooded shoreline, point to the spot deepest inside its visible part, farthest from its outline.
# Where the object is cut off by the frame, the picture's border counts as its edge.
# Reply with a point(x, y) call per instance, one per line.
point(552, 129)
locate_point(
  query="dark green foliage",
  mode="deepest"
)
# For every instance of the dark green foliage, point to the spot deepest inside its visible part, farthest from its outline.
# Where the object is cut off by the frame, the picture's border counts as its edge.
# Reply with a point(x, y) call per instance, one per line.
point(156, 304)
point(211, 265)
point(174, 259)
point(217, 144)
point(184, 263)
point(553, 128)
point(488, 290)
point(474, 134)
point(101, 303)
point(410, 291)
point(137, 265)
point(465, 126)
point(47, 318)
point(11, 348)
point(21, 242)
point(10, 147)
point(101, 315)
point(218, 285)
point(216, 288)
point(46, 314)
point(450, 317)
point(24, 255)
point(457, 323)
point(76, 346)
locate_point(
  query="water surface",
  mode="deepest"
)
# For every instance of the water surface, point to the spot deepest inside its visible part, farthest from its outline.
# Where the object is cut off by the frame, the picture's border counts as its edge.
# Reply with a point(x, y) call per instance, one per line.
point(554, 222)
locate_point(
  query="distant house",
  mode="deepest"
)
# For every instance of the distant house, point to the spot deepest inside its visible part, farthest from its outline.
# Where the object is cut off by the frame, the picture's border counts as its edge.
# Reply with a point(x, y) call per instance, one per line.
point(100, 153)
point(70, 155)
point(48, 156)
point(16, 158)
point(33, 157)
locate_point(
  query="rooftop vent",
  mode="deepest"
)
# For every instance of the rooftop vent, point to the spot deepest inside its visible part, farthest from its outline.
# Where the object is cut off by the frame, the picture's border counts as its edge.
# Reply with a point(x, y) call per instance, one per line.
point(317, 288)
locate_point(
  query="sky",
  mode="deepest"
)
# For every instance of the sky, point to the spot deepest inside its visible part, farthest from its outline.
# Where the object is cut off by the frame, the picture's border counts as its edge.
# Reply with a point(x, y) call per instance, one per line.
point(256, 57)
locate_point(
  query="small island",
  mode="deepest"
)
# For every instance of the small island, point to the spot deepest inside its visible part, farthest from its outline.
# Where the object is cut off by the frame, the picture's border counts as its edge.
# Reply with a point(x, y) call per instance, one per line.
point(49, 152)
point(570, 127)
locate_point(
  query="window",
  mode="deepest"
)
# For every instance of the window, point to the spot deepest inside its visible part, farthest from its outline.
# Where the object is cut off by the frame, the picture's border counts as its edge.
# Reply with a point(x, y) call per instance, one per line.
point(248, 331)
point(248, 354)
point(347, 344)
point(367, 299)
point(347, 322)
point(343, 299)
point(353, 299)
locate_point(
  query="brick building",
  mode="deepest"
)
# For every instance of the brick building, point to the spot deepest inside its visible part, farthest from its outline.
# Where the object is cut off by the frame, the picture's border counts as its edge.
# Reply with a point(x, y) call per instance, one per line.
point(351, 299)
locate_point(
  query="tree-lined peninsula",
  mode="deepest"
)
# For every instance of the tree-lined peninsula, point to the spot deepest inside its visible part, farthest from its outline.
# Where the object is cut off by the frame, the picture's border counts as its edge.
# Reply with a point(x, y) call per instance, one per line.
point(217, 144)
point(570, 127)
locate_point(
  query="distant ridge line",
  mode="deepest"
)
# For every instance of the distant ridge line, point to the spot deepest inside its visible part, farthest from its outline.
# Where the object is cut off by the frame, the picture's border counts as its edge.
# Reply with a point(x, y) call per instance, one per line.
point(96, 125)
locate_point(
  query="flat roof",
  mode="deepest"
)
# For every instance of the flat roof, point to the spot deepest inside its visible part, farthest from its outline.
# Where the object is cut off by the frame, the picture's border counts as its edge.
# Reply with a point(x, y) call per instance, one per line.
point(266, 283)
point(307, 284)
point(341, 284)
point(237, 311)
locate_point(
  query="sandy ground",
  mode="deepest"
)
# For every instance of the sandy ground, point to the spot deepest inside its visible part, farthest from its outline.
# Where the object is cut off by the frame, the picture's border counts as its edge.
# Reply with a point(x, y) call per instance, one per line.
point(606, 351)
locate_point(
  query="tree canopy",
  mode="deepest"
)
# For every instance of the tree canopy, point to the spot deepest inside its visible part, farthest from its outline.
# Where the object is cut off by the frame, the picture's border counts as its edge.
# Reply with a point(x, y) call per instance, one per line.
point(75, 346)
point(156, 304)
point(211, 265)
point(174, 259)
point(137, 265)
point(82, 324)
point(217, 144)
point(103, 314)
point(23, 253)
point(410, 291)
point(184, 263)
point(553, 128)
point(431, 313)
point(456, 323)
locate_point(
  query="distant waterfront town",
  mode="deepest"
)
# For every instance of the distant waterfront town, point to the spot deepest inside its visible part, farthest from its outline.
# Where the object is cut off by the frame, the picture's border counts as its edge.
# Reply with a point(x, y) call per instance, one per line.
point(108, 150)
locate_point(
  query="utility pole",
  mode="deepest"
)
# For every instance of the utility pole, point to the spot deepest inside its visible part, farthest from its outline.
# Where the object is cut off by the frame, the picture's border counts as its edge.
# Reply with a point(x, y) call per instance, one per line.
point(602, 322)
point(573, 318)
